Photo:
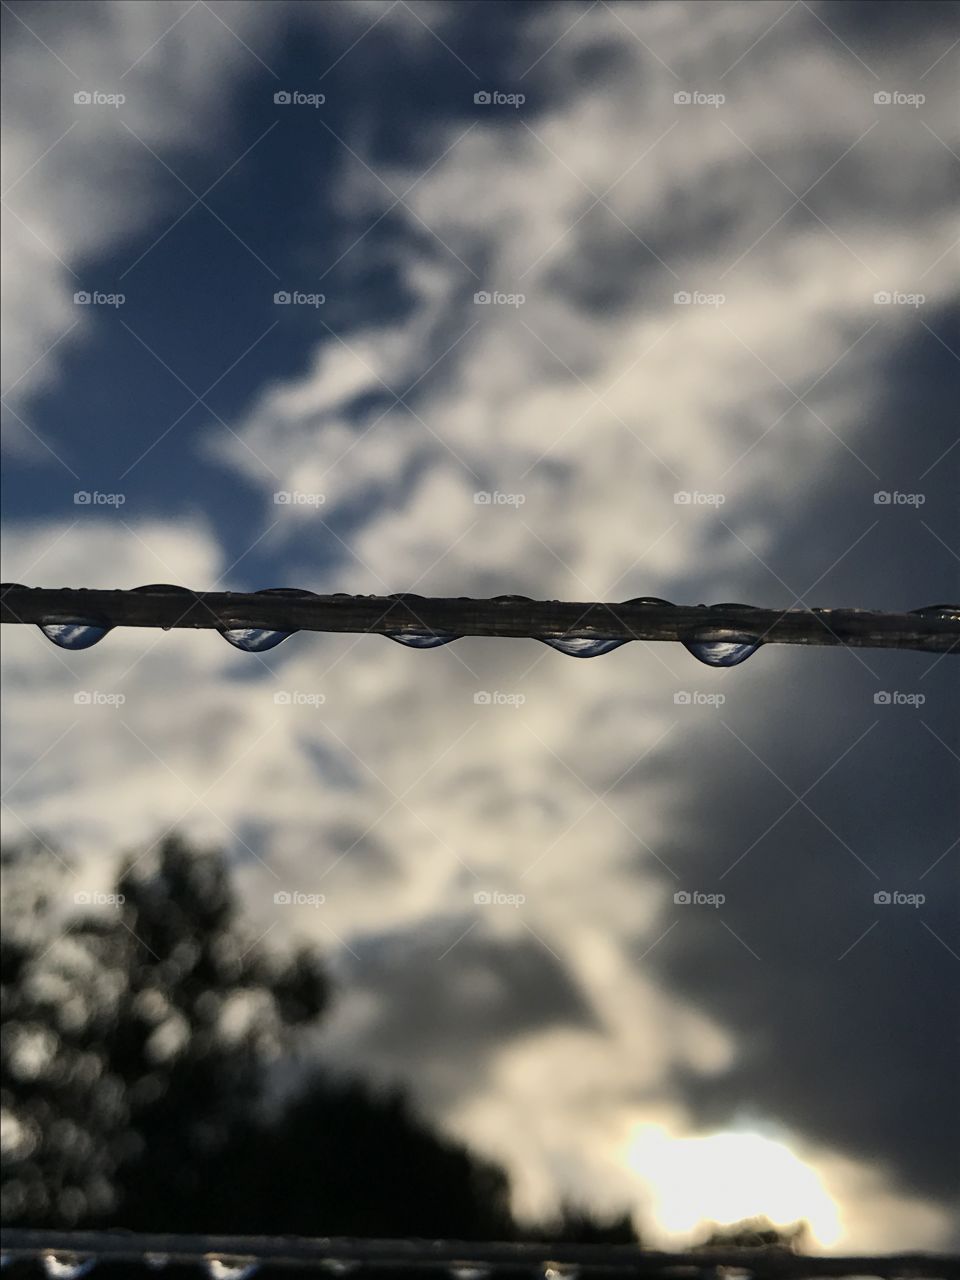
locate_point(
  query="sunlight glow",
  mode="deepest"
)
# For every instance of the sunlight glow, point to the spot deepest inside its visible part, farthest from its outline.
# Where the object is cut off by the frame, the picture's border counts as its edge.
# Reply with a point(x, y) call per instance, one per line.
point(726, 1177)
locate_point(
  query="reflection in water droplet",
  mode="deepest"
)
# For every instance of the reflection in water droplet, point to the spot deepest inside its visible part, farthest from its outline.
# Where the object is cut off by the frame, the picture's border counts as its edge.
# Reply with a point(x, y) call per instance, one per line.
point(723, 653)
point(950, 612)
point(560, 1271)
point(74, 635)
point(156, 1261)
point(582, 646)
point(67, 1266)
point(468, 1271)
point(420, 639)
point(254, 639)
point(230, 1268)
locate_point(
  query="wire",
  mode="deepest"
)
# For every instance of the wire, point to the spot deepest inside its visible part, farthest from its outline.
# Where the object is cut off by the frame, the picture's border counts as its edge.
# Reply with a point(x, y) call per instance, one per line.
point(244, 1256)
point(720, 635)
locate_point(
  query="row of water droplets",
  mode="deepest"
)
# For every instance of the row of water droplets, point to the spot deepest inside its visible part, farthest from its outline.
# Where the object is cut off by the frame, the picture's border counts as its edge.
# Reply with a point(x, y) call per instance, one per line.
point(717, 646)
point(72, 1266)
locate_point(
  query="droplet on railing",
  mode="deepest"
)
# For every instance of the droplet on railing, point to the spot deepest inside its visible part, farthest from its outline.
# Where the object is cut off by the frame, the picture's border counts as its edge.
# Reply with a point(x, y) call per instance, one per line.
point(420, 639)
point(560, 1271)
point(79, 634)
point(339, 1266)
point(468, 1271)
point(156, 1261)
point(254, 639)
point(725, 652)
point(950, 612)
point(67, 1266)
point(225, 1267)
point(582, 646)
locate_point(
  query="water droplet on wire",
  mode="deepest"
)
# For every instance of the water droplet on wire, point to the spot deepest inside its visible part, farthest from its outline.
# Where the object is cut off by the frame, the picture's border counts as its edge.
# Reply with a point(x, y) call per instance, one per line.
point(156, 1261)
point(420, 639)
point(67, 1266)
point(254, 639)
point(339, 1266)
point(582, 646)
point(468, 1271)
point(726, 652)
point(220, 1267)
point(80, 634)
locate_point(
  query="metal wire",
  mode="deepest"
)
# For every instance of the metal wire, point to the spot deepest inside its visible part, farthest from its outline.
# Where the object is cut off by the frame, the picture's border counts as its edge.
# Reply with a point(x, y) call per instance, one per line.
point(249, 1256)
point(581, 629)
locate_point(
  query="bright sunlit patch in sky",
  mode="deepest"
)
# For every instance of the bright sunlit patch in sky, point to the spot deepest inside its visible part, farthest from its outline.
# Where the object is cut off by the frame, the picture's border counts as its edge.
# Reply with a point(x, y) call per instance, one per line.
point(726, 1177)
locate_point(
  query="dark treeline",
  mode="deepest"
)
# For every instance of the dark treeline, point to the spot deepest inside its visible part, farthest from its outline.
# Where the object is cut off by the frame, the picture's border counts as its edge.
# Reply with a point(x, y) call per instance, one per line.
point(138, 1047)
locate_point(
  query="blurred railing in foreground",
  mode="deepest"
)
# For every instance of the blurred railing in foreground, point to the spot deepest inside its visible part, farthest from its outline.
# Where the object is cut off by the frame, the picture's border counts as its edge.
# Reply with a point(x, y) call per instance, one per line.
point(71, 1255)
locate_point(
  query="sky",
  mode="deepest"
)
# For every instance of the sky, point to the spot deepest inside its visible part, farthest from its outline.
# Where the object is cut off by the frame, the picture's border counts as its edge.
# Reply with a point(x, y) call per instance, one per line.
point(581, 301)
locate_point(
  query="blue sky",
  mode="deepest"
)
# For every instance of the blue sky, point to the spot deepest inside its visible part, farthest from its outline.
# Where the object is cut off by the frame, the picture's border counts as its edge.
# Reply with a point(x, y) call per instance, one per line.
point(787, 198)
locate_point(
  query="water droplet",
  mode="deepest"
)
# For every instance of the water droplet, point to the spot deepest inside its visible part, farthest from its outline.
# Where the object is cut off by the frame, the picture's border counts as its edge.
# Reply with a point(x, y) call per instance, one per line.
point(67, 1266)
point(582, 646)
point(950, 612)
point(560, 1271)
point(5, 1260)
point(80, 634)
point(420, 639)
point(162, 586)
point(254, 639)
point(156, 1261)
point(339, 1266)
point(220, 1267)
point(468, 1271)
point(726, 651)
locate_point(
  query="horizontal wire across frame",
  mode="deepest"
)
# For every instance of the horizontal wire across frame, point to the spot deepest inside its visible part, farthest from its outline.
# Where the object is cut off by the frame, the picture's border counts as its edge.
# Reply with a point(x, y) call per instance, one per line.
point(934, 629)
point(245, 1256)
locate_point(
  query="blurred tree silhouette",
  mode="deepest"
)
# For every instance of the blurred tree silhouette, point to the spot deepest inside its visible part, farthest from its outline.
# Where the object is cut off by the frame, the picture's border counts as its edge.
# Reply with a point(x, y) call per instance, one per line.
point(135, 1057)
